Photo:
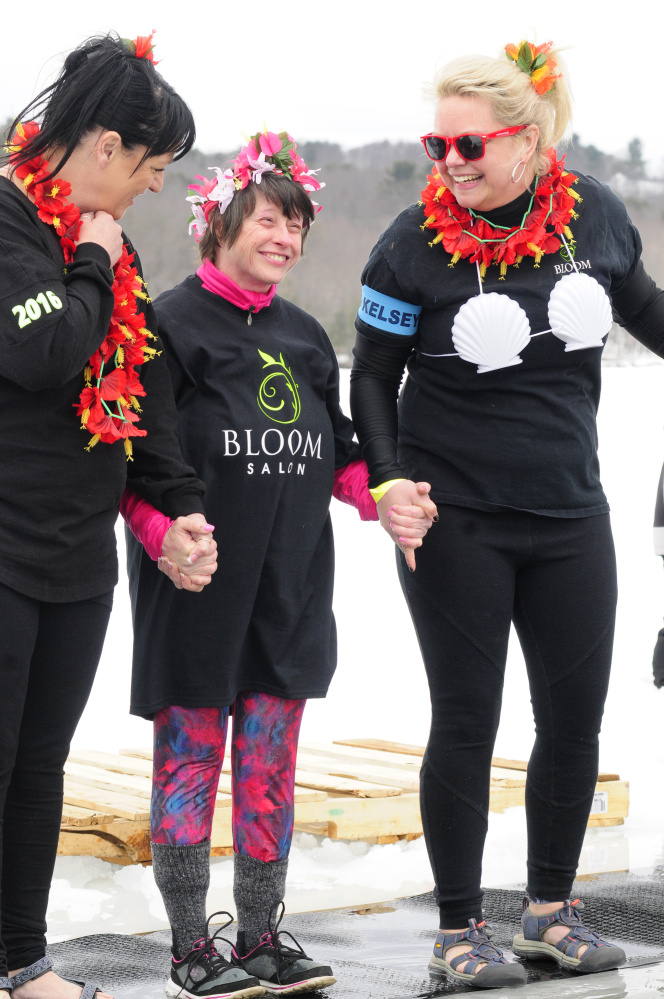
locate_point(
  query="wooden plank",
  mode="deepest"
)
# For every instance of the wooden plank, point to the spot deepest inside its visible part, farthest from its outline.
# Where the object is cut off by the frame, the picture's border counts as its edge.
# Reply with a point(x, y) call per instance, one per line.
point(131, 838)
point(392, 761)
point(617, 792)
point(409, 750)
point(113, 761)
point(507, 778)
point(125, 806)
point(88, 844)
point(141, 787)
point(356, 770)
point(108, 779)
point(140, 756)
point(364, 818)
point(72, 815)
point(382, 744)
point(345, 785)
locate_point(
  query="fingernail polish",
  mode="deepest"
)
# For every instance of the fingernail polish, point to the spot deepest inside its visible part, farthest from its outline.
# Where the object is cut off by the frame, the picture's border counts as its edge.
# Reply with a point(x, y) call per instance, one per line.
point(436, 519)
point(192, 559)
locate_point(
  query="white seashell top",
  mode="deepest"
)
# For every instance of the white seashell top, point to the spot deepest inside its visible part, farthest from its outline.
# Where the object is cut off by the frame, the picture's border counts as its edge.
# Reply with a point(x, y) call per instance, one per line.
point(499, 407)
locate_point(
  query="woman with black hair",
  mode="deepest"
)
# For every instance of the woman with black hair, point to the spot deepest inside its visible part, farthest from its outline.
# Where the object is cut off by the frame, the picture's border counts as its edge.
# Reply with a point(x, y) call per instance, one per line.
point(76, 328)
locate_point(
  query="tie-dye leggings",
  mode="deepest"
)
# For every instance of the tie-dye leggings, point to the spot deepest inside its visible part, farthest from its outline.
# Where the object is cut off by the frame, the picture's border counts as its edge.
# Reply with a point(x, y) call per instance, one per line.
point(189, 748)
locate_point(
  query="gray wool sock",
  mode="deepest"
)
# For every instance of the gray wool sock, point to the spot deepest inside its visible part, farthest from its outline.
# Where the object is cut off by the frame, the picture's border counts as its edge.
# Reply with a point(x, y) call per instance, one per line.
point(258, 885)
point(182, 874)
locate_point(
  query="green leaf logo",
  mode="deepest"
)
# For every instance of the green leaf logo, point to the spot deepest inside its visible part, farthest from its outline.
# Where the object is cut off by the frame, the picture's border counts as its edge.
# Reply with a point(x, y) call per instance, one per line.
point(278, 397)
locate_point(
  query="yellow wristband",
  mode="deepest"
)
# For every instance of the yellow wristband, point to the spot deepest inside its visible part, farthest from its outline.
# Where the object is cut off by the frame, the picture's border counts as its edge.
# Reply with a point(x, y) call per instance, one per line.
point(380, 491)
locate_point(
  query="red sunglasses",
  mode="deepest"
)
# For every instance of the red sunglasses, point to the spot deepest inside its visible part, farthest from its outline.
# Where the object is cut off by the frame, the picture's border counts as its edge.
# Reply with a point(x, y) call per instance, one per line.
point(468, 146)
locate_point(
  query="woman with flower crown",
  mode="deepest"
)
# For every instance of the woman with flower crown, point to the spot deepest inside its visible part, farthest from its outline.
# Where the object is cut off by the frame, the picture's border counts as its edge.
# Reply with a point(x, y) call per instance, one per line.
point(496, 293)
point(76, 337)
point(257, 388)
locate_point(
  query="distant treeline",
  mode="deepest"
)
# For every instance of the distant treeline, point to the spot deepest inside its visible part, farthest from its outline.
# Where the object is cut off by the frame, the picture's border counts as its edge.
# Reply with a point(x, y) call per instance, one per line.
point(365, 188)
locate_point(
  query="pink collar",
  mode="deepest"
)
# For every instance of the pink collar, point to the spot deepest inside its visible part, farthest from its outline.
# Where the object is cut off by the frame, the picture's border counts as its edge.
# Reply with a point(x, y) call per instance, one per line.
point(219, 283)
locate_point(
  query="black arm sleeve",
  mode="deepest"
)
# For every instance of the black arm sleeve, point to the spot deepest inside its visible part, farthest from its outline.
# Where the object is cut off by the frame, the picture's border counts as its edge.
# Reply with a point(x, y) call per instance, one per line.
point(345, 448)
point(639, 306)
point(50, 323)
point(159, 472)
point(378, 368)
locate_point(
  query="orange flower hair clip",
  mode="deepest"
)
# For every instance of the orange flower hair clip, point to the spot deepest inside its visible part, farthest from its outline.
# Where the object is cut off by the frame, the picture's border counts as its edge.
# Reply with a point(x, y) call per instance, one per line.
point(535, 61)
point(142, 47)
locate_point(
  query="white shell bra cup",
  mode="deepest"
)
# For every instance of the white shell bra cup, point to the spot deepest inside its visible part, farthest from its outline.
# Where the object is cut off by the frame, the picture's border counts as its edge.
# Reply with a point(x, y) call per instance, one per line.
point(491, 329)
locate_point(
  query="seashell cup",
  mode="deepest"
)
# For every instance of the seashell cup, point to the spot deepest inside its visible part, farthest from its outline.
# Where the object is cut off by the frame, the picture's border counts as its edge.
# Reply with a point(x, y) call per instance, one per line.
point(489, 330)
point(580, 312)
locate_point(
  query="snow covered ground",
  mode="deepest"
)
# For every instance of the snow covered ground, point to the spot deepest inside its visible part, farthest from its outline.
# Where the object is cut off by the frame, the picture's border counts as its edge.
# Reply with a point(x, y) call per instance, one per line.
point(380, 691)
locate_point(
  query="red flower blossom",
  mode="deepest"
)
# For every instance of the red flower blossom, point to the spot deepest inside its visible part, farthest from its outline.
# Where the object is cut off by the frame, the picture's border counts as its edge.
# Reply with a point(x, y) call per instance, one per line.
point(120, 381)
point(112, 385)
point(471, 237)
point(144, 47)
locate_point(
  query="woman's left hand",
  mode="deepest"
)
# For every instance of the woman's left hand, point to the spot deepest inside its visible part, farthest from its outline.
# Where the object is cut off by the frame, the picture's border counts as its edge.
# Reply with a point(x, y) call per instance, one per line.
point(409, 521)
point(415, 517)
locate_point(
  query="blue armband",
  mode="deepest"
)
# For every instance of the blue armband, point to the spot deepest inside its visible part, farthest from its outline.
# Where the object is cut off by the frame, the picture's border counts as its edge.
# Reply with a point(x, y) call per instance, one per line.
point(388, 314)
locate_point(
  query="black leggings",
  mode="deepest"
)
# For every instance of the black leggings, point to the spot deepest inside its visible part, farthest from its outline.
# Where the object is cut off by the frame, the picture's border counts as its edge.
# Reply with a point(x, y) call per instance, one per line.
point(48, 658)
point(556, 579)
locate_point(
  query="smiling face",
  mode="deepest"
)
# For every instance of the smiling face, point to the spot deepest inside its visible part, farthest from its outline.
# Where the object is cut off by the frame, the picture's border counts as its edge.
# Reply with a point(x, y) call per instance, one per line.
point(126, 177)
point(485, 183)
point(268, 246)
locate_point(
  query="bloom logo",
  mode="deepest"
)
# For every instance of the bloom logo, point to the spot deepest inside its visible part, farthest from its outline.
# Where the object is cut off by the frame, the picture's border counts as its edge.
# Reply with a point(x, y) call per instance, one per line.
point(278, 398)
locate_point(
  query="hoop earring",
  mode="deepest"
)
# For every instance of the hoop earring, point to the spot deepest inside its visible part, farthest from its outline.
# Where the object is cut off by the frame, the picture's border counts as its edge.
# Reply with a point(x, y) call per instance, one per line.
point(515, 180)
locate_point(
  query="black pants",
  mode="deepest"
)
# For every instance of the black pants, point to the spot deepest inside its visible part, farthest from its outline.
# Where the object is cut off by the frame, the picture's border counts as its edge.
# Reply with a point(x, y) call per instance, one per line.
point(48, 657)
point(556, 579)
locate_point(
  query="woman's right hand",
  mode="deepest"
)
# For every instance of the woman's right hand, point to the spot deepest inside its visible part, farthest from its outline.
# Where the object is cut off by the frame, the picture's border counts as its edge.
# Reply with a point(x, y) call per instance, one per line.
point(101, 228)
point(189, 553)
point(413, 515)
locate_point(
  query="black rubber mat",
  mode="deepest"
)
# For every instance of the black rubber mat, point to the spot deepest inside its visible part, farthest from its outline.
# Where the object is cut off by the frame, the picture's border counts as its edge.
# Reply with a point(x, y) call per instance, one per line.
point(382, 951)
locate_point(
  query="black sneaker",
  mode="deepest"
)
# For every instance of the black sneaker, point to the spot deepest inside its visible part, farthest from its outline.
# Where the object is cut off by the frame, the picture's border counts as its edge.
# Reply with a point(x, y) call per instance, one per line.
point(281, 968)
point(204, 974)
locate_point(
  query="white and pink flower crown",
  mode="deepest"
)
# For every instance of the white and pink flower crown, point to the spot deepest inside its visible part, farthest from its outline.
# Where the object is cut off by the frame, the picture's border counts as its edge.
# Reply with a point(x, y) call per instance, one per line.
point(266, 152)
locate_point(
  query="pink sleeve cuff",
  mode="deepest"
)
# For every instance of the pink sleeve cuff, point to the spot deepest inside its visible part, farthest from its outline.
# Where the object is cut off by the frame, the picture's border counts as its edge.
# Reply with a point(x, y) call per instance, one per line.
point(148, 525)
point(351, 485)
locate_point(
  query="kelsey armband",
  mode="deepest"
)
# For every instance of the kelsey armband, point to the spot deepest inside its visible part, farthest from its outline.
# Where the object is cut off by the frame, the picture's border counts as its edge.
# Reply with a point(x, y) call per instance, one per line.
point(388, 314)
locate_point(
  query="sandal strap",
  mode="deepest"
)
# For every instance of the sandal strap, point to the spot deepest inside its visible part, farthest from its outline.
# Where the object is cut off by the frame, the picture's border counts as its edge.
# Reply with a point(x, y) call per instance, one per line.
point(483, 952)
point(577, 936)
point(33, 971)
point(89, 990)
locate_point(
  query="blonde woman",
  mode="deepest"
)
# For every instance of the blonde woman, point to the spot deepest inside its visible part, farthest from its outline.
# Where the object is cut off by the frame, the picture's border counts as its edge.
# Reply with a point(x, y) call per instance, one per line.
point(497, 297)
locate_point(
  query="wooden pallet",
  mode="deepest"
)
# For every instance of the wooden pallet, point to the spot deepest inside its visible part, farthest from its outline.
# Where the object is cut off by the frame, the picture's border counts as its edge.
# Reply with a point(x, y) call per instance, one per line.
point(355, 789)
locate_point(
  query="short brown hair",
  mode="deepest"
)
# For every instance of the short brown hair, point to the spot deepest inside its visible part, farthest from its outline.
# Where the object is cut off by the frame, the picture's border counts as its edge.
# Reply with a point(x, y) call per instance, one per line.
point(288, 194)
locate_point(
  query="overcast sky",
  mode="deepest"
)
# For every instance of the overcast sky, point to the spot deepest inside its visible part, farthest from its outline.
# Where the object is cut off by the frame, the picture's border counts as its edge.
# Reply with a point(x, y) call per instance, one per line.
point(351, 71)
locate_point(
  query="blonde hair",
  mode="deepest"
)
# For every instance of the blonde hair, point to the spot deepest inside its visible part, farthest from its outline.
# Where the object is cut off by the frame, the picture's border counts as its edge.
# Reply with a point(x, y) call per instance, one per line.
point(512, 96)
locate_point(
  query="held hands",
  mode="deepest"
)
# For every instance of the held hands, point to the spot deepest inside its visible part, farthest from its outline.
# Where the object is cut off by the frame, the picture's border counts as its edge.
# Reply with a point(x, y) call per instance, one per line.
point(407, 513)
point(101, 228)
point(189, 553)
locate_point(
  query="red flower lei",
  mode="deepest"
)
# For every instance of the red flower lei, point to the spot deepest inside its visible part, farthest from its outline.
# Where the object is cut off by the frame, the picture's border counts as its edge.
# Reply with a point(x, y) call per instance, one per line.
point(113, 366)
point(468, 236)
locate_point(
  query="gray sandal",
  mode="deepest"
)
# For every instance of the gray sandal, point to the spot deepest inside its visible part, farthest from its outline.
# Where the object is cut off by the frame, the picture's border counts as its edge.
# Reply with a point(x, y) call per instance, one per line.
point(598, 956)
point(40, 968)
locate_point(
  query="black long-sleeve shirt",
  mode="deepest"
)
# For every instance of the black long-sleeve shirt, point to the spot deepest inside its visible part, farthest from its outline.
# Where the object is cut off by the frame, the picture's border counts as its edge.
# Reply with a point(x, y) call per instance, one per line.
point(521, 437)
point(59, 502)
point(260, 419)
